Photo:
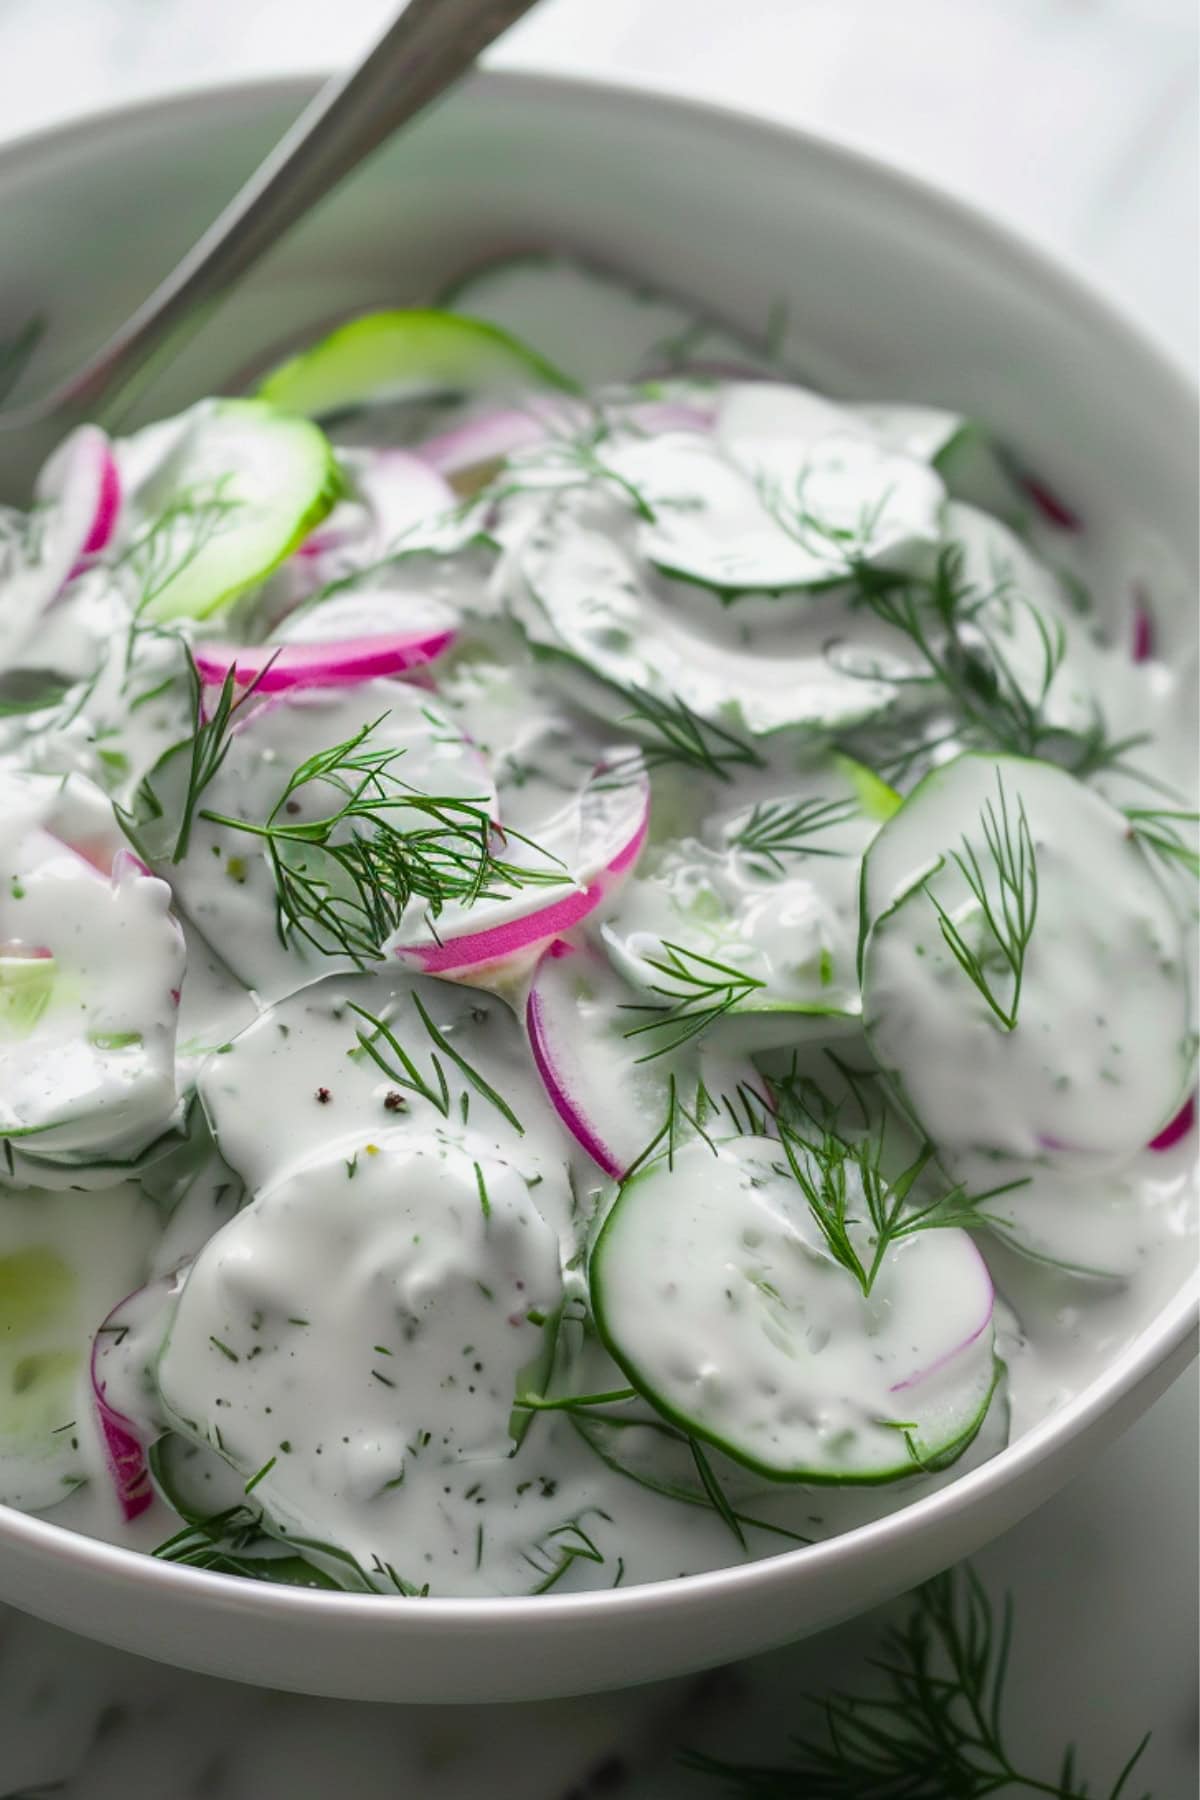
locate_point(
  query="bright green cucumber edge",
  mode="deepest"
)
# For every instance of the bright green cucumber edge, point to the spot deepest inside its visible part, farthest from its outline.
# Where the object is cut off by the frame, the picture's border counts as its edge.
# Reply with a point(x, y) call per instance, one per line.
point(942, 1459)
point(284, 386)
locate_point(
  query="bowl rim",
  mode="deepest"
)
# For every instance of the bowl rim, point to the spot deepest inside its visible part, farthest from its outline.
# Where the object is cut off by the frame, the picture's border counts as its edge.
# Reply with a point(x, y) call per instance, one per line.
point(1163, 1341)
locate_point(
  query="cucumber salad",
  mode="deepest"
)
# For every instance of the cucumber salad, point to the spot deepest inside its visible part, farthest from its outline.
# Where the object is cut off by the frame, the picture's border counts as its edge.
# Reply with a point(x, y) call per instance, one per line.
point(595, 955)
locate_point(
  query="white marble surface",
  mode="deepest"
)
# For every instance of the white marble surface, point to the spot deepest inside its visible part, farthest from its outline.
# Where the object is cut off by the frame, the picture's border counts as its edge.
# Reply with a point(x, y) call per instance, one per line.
point(1075, 120)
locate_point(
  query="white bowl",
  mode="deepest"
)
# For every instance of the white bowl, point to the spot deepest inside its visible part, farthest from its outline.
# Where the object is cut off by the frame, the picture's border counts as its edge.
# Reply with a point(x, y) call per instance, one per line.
point(904, 295)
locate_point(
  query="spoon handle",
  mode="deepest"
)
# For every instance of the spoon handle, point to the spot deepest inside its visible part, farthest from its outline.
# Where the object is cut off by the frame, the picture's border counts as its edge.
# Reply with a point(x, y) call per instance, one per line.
point(428, 47)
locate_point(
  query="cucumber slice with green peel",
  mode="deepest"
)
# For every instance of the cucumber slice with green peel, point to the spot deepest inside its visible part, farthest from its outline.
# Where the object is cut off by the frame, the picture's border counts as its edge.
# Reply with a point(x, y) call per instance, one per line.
point(787, 493)
point(634, 647)
point(997, 868)
point(401, 355)
point(374, 1044)
point(347, 1291)
point(238, 486)
point(87, 1025)
point(62, 1257)
point(231, 880)
point(713, 1288)
point(206, 1493)
point(753, 930)
point(756, 978)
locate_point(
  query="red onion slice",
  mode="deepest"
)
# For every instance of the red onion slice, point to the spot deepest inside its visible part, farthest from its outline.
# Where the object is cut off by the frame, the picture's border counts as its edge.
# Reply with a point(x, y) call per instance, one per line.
point(1179, 1127)
point(598, 844)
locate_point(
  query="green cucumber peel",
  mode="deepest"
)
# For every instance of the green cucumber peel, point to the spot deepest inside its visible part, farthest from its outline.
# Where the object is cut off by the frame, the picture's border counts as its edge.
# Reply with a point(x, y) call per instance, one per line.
point(402, 355)
point(238, 491)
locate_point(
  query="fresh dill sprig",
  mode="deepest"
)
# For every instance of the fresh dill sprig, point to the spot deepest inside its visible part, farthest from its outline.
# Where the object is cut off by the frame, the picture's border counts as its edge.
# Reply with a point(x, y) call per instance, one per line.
point(671, 1133)
point(587, 1420)
point(344, 879)
point(789, 508)
point(778, 828)
point(844, 1185)
point(716, 1495)
point(680, 736)
point(213, 1542)
point(207, 748)
point(935, 1732)
point(859, 1208)
point(949, 622)
point(561, 1547)
point(1009, 919)
point(568, 453)
point(700, 991)
point(403, 1071)
point(1157, 830)
point(210, 742)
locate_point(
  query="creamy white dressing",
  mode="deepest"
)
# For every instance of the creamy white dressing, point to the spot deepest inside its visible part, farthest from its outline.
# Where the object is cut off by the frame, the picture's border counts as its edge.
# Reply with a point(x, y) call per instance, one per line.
point(365, 1217)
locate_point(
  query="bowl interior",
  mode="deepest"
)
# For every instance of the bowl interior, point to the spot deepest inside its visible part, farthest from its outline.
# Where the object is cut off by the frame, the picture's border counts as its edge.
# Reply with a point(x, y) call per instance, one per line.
point(890, 293)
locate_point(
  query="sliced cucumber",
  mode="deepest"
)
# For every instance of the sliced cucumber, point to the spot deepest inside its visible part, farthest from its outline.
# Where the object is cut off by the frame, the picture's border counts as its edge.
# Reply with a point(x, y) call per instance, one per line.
point(1099, 1227)
point(756, 925)
point(62, 1258)
point(238, 485)
point(598, 327)
point(206, 1493)
point(715, 1291)
point(664, 1459)
point(227, 878)
point(87, 1022)
point(615, 631)
point(1098, 1055)
point(787, 493)
point(390, 356)
point(401, 1294)
point(346, 1037)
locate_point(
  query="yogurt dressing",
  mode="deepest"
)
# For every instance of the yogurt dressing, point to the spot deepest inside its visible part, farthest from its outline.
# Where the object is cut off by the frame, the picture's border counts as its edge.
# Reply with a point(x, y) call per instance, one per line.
point(367, 1218)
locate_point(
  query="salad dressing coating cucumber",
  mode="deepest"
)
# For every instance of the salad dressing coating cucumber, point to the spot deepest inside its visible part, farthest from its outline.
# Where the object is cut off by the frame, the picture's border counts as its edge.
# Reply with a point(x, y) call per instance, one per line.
point(352, 1055)
point(240, 486)
point(90, 969)
point(62, 1258)
point(713, 1288)
point(632, 648)
point(750, 931)
point(989, 901)
point(426, 1275)
point(789, 490)
point(278, 786)
point(665, 886)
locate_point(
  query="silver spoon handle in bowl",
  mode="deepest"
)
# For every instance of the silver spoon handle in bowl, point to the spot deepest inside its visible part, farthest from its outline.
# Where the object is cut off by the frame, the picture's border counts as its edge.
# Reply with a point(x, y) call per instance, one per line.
point(428, 47)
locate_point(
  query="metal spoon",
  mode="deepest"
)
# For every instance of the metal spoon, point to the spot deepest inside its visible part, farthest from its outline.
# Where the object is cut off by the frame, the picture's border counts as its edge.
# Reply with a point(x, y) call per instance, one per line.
point(429, 47)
